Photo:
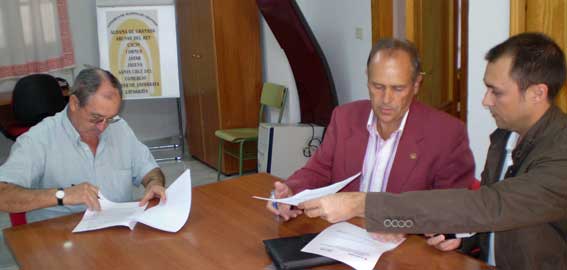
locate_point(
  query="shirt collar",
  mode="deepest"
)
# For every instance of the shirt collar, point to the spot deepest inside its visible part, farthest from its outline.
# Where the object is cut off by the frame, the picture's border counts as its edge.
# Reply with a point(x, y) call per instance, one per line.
point(372, 120)
point(70, 130)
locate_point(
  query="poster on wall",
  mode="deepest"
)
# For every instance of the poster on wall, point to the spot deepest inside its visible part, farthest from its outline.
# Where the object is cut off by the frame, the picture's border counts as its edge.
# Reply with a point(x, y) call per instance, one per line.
point(138, 45)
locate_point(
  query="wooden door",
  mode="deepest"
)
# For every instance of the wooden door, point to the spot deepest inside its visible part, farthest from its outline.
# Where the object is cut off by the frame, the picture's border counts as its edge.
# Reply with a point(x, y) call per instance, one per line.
point(433, 26)
point(199, 77)
point(239, 72)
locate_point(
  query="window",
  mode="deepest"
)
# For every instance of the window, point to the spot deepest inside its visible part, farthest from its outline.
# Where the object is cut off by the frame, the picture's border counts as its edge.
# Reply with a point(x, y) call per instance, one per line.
point(34, 37)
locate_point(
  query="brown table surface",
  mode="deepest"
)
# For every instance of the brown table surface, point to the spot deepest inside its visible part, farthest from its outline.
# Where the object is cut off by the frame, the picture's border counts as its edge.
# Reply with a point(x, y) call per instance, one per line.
point(225, 230)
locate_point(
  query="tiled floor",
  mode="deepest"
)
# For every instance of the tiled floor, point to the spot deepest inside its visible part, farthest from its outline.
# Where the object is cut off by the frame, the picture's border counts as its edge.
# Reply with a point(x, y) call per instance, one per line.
point(200, 175)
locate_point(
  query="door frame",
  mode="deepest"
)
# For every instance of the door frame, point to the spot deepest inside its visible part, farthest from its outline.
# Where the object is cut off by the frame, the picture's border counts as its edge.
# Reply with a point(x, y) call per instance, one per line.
point(382, 26)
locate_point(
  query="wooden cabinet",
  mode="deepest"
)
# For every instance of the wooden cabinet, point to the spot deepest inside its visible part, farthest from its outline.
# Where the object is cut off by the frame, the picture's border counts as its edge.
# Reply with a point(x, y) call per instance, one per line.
point(221, 72)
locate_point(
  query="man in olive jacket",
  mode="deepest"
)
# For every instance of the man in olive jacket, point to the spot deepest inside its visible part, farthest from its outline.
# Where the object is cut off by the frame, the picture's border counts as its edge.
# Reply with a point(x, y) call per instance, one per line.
point(520, 212)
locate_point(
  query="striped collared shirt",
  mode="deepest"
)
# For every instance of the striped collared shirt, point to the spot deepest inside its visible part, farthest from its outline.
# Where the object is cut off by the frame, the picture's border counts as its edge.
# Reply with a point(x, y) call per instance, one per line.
point(379, 155)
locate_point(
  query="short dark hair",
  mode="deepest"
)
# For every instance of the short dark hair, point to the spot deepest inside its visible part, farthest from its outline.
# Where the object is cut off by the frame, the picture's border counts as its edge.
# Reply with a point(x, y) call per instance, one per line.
point(393, 44)
point(89, 80)
point(536, 58)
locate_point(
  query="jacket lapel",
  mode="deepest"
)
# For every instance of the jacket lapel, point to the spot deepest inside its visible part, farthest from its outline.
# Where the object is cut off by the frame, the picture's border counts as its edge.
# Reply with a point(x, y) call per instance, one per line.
point(495, 156)
point(355, 147)
point(408, 152)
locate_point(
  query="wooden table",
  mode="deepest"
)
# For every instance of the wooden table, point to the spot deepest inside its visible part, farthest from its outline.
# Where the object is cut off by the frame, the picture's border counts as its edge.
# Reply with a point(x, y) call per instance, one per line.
point(224, 231)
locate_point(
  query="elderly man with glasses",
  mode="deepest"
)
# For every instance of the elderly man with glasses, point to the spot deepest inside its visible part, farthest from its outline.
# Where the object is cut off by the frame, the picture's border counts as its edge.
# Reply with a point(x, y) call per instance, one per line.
point(60, 165)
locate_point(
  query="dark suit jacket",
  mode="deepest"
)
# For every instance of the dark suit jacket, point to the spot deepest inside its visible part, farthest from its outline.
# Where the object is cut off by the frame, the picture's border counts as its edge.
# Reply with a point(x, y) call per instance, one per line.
point(433, 152)
point(527, 210)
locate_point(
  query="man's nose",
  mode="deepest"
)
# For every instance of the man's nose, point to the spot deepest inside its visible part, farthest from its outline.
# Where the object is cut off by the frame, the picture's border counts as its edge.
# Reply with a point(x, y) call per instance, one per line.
point(388, 96)
point(487, 100)
point(102, 126)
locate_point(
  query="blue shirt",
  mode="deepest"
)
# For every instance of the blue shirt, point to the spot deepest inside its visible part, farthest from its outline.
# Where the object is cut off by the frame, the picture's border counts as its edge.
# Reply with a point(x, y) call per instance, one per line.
point(52, 155)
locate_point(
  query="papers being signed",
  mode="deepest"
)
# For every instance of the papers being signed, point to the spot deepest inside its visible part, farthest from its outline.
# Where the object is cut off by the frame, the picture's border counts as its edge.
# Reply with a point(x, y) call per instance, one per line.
point(310, 194)
point(349, 244)
point(169, 216)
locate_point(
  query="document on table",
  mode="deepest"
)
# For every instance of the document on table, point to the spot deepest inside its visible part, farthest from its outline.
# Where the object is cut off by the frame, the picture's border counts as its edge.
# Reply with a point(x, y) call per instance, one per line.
point(349, 244)
point(169, 216)
point(310, 194)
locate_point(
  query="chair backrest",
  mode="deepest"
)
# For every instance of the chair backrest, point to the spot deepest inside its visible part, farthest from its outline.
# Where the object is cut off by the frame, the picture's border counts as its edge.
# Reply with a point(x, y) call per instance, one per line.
point(273, 96)
point(35, 97)
point(18, 219)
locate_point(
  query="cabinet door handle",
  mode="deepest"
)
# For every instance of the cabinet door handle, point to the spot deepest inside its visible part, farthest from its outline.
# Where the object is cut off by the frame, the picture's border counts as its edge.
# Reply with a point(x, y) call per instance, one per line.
point(196, 55)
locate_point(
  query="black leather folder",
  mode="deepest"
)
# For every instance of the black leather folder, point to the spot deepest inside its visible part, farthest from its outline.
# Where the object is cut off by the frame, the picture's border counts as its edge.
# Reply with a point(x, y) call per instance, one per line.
point(286, 253)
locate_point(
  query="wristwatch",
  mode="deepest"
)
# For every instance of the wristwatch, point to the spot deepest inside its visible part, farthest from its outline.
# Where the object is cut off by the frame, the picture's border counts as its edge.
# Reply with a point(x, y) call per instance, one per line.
point(59, 195)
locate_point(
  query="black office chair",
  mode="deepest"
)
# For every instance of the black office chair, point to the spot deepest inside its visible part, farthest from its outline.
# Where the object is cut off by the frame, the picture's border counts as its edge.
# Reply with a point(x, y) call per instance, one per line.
point(34, 97)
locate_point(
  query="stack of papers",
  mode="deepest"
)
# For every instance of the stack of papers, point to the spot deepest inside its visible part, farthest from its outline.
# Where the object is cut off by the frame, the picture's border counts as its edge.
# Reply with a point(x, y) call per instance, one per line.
point(349, 244)
point(169, 216)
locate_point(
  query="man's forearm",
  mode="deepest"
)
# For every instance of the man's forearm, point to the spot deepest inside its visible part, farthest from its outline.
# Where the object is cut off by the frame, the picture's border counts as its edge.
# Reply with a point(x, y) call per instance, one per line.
point(15, 199)
point(154, 177)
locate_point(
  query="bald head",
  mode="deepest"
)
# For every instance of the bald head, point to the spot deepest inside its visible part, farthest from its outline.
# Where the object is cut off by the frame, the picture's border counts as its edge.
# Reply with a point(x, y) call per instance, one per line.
point(90, 80)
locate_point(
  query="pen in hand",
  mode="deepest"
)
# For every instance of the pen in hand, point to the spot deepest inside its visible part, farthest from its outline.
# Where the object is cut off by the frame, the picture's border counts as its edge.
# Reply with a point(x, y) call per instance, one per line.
point(273, 196)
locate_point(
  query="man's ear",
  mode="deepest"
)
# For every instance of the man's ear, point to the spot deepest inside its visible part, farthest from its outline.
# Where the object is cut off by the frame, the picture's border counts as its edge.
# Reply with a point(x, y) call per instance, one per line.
point(417, 83)
point(538, 92)
point(73, 103)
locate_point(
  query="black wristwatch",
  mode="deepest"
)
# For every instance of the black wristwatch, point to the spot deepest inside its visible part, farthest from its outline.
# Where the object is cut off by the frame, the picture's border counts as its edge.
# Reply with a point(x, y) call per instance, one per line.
point(59, 195)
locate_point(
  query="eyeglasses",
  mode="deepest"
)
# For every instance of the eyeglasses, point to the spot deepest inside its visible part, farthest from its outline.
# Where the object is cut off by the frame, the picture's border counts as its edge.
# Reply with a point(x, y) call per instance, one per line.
point(111, 120)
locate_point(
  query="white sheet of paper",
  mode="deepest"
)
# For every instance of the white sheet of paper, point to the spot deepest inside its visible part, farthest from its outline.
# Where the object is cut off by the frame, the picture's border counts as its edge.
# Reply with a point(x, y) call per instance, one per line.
point(111, 214)
point(169, 216)
point(310, 194)
point(349, 244)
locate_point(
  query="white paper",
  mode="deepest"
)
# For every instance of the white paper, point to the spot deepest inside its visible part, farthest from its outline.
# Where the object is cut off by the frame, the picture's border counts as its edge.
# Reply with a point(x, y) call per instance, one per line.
point(349, 244)
point(173, 214)
point(111, 214)
point(169, 216)
point(310, 194)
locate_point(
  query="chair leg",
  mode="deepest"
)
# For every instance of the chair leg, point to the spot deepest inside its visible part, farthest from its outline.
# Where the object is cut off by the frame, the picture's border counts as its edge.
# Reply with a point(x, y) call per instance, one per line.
point(219, 162)
point(241, 158)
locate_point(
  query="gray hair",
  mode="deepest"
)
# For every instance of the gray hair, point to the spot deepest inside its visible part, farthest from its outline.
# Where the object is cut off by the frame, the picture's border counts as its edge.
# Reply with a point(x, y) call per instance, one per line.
point(89, 80)
point(391, 45)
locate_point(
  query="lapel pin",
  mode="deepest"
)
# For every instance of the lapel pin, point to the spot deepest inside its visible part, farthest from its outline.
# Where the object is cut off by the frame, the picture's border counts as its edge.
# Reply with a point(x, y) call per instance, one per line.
point(413, 156)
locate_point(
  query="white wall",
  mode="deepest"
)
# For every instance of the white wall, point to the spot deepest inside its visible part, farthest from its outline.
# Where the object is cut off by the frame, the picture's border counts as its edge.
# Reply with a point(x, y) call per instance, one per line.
point(276, 69)
point(345, 54)
point(488, 26)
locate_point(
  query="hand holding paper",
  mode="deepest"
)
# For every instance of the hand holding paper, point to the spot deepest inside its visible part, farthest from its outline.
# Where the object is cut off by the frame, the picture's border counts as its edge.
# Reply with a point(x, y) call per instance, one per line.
point(336, 207)
point(310, 194)
point(169, 216)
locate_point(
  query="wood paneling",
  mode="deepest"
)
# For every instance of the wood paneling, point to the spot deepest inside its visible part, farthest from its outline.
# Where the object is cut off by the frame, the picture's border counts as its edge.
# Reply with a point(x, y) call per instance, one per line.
point(517, 16)
point(434, 32)
point(462, 74)
point(221, 68)
point(382, 19)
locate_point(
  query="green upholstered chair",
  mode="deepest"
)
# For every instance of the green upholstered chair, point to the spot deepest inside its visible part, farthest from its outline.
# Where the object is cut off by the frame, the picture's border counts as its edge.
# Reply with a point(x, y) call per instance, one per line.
point(273, 96)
